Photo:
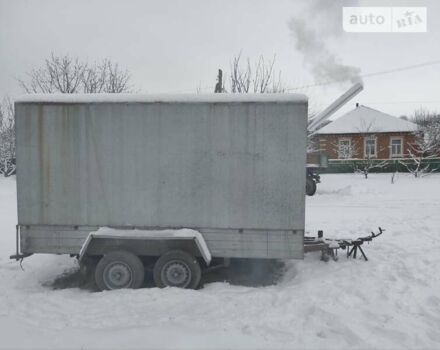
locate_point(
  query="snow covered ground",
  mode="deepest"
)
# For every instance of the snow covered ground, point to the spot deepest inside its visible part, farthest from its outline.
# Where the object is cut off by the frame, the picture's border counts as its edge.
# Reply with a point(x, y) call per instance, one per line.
point(391, 301)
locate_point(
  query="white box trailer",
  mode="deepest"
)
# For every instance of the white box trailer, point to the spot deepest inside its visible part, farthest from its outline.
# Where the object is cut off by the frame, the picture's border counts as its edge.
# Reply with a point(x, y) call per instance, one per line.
point(126, 179)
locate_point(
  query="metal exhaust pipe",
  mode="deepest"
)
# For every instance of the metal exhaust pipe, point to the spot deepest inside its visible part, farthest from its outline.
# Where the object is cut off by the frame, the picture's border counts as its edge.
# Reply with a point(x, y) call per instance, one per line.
point(333, 107)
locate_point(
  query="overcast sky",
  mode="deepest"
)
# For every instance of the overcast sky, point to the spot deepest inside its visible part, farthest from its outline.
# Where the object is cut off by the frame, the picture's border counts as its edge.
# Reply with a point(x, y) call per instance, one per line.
point(178, 45)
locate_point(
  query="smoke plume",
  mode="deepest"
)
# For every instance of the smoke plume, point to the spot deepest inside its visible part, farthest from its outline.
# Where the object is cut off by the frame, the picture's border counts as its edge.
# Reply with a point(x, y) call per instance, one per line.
point(312, 29)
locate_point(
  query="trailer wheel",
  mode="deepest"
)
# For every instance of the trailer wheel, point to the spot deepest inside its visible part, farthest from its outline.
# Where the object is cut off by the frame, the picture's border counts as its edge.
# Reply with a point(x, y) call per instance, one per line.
point(177, 268)
point(310, 186)
point(119, 269)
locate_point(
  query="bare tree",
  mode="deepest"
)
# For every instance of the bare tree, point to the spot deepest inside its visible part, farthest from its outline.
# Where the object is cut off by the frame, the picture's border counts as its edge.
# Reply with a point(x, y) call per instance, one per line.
point(368, 163)
point(362, 163)
point(369, 159)
point(426, 143)
point(7, 138)
point(429, 126)
point(58, 74)
point(105, 77)
point(420, 151)
point(345, 150)
point(66, 74)
point(259, 77)
point(423, 117)
point(117, 79)
point(94, 79)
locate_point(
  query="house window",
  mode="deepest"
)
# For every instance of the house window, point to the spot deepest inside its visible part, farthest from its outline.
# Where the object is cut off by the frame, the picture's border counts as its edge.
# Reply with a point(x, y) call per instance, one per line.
point(344, 148)
point(370, 146)
point(396, 147)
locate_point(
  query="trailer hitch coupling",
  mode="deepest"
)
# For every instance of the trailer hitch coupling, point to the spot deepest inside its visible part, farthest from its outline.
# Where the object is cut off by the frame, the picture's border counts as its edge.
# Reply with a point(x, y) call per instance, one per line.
point(330, 246)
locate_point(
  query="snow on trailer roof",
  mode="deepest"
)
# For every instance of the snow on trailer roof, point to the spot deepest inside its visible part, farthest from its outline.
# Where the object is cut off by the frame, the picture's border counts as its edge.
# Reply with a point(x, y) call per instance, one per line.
point(160, 98)
point(364, 119)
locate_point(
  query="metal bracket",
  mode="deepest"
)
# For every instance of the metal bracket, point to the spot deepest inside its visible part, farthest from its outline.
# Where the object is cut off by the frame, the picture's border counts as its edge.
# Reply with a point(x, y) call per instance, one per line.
point(18, 255)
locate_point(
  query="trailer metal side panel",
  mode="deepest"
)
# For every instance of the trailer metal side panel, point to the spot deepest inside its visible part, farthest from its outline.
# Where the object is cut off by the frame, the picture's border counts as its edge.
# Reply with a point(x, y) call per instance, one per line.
point(220, 166)
point(223, 243)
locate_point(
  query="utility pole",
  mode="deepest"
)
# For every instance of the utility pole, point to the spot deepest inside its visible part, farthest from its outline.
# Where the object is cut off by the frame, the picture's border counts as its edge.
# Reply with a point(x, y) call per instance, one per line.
point(219, 84)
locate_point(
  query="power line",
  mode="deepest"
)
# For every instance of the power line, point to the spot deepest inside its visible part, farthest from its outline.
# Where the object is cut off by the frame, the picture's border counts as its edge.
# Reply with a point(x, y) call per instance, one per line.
point(400, 102)
point(368, 75)
point(431, 63)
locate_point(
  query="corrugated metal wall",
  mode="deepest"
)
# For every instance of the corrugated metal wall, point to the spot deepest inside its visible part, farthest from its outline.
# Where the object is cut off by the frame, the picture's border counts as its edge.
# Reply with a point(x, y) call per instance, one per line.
point(199, 165)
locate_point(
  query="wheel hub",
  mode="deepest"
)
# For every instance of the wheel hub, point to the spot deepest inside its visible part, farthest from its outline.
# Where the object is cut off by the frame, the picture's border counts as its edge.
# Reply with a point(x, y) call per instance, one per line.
point(118, 275)
point(176, 274)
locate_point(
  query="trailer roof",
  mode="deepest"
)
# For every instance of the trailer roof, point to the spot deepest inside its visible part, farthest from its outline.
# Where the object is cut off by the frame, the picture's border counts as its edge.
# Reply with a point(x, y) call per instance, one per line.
point(164, 98)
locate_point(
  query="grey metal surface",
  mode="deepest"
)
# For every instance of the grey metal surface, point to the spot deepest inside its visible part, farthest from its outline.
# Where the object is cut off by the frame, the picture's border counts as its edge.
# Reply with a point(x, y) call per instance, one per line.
point(221, 243)
point(237, 165)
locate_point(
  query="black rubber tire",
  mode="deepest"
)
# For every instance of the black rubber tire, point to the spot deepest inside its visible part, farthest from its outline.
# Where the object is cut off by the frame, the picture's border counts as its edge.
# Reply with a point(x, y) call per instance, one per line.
point(127, 261)
point(310, 186)
point(186, 261)
point(87, 272)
